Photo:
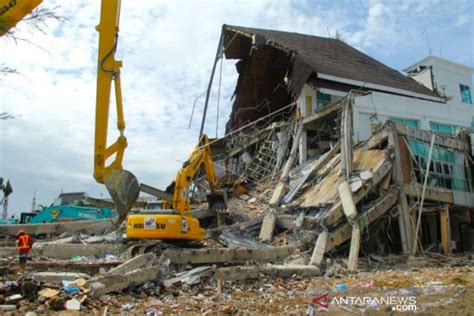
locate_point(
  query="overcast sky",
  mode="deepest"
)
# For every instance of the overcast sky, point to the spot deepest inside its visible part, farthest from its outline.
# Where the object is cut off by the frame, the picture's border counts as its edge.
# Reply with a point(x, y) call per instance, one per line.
point(167, 48)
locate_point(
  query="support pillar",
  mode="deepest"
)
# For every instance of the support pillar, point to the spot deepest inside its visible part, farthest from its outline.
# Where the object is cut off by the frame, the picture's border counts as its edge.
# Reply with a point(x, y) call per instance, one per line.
point(406, 229)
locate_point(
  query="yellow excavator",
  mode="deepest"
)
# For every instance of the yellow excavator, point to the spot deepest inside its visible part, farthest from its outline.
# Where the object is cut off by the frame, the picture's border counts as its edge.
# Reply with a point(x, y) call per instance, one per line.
point(177, 222)
point(123, 186)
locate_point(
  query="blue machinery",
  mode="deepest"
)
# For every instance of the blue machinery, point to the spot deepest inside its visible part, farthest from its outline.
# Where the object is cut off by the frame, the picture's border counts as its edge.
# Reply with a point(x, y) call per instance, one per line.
point(63, 213)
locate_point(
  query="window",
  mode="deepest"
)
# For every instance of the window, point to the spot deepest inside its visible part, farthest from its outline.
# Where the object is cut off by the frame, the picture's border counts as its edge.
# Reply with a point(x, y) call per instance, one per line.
point(406, 122)
point(322, 99)
point(447, 168)
point(444, 128)
point(465, 94)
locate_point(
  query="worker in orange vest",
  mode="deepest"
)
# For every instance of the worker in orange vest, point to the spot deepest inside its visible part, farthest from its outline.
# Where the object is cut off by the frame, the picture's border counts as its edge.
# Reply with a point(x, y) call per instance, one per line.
point(24, 244)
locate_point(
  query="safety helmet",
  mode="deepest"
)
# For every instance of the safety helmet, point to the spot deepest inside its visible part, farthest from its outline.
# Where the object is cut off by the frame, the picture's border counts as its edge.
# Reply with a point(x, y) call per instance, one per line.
point(20, 233)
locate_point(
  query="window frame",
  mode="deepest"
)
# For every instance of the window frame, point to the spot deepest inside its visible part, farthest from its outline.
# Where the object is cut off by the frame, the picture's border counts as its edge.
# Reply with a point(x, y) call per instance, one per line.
point(465, 91)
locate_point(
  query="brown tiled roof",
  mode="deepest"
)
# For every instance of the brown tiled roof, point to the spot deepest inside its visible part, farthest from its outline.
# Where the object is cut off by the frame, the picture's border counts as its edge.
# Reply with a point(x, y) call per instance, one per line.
point(334, 57)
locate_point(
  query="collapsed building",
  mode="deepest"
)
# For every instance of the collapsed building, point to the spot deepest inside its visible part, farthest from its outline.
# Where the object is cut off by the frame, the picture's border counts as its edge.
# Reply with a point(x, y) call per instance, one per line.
point(350, 145)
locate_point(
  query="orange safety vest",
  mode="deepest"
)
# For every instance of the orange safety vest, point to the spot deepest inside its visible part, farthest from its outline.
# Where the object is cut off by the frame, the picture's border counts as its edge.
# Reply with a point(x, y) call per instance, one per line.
point(24, 243)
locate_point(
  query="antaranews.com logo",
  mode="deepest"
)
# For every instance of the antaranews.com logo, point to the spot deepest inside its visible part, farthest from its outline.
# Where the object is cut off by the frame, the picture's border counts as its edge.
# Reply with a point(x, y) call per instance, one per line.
point(322, 301)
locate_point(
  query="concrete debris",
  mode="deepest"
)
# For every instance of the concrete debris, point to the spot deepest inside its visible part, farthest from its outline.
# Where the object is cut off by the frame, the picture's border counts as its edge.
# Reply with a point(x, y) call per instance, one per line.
point(227, 255)
point(191, 277)
point(254, 272)
point(132, 264)
point(57, 276)
point(117, 282)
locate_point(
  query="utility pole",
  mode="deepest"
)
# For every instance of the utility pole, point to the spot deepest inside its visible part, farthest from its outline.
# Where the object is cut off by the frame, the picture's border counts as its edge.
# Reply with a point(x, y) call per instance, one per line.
point(33, 203)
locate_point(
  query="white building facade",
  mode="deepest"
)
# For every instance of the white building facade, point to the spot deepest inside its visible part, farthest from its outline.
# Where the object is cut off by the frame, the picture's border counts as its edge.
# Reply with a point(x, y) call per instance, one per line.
point(449, 112)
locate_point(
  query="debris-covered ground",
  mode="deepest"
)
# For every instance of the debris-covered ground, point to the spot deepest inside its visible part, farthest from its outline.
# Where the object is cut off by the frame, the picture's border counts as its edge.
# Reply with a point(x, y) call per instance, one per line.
point(438, 284)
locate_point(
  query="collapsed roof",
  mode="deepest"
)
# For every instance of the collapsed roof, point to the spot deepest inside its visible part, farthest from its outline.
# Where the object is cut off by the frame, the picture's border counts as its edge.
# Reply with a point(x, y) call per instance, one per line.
point(274, 65)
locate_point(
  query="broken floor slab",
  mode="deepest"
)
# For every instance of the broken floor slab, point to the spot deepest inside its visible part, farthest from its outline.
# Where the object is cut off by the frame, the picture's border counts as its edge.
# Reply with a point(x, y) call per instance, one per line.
point(254, 272)
point(227, 255)
point(115, 283)
point(86, 266)
point(190, 277)
point(132, 264)
point(67, 251)
point(57, 277)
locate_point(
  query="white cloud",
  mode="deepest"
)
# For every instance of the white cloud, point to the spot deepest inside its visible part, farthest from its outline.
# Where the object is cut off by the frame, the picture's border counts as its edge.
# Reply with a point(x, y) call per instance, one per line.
point(167, 49)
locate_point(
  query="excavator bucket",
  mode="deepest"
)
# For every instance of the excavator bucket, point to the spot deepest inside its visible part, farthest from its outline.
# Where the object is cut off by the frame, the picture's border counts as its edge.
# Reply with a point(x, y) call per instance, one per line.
point(124, 189)
point(217, 201)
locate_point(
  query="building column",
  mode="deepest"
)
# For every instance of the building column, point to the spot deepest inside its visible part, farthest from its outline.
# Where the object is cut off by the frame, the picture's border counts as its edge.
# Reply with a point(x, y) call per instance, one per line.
point(406, 230)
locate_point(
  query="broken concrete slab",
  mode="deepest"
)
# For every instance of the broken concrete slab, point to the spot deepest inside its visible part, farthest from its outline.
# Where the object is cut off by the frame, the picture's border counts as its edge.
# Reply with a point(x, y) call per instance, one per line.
point(66, 251)
point(132, 264)
point(355, 247)
point(117, 282)
point(189, 277)
point(57, 277)
point(348, 205)
point(227, 255)
point(344, 232)
point(86, 266)
point(290, 222)
point(319, 249)
point(254, 272)
point(336, 212)
point(268, 226)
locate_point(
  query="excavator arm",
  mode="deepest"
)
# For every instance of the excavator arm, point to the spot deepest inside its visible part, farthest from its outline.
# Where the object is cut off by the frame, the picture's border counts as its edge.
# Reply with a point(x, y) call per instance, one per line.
point(201, 156)
point(121, 184)
point(13, 11)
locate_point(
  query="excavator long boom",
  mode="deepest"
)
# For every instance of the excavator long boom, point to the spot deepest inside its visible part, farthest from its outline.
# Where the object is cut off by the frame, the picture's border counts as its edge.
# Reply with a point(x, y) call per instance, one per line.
point(121, 184)
point(13, 11)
